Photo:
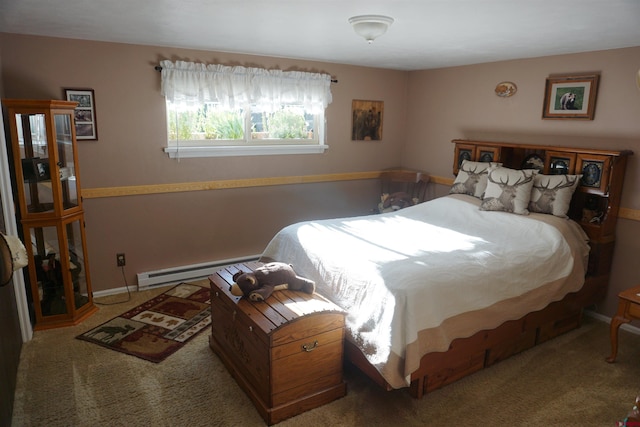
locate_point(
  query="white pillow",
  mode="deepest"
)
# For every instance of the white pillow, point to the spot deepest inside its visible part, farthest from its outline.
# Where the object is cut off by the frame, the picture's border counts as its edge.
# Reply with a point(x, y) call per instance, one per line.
point(551, 194)
point(508, 190)
point(472, 178)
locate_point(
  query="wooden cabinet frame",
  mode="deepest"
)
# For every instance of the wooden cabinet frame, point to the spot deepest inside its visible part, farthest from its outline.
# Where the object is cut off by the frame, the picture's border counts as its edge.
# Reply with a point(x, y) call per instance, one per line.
point(46, 175)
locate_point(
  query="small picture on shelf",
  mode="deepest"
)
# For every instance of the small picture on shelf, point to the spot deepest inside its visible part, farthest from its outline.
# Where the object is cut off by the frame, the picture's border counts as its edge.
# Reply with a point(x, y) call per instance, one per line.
point(463, 155)
point(36, 169)
point(592, 173)
point(559, 166)
point(486, 156)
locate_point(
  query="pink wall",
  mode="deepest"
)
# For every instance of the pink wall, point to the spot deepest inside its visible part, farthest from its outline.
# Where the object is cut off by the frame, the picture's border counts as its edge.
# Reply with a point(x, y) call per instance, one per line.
point(167, 230)
point(460, 102)
point(424, 111)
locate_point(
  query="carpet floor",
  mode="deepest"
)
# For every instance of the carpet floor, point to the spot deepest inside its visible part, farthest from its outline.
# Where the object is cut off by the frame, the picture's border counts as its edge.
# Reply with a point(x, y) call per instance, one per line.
point(63, 381)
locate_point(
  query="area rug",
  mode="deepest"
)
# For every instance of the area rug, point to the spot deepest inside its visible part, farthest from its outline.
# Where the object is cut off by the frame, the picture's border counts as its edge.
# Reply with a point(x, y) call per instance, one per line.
point(161, 326)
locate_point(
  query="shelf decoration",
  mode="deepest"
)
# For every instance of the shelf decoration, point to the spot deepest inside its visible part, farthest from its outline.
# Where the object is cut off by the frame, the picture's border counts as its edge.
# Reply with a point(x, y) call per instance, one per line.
point(506, 89)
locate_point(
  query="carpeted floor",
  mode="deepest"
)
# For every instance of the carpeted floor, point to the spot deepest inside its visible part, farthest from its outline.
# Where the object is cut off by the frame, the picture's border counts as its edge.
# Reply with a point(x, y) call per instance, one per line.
point(63, 381)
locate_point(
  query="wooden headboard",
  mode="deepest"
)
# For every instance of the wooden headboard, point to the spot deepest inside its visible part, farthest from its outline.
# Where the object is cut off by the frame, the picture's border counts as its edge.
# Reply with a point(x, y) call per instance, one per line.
point(596, 201)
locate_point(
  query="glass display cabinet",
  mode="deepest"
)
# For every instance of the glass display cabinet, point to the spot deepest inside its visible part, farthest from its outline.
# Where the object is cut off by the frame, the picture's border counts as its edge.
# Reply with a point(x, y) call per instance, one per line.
point(43, 145)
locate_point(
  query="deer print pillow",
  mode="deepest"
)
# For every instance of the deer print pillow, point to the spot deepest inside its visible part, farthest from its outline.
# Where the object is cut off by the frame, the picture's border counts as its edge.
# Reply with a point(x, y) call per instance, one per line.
point(508, 190)
point(551, 194)
point(472, 178)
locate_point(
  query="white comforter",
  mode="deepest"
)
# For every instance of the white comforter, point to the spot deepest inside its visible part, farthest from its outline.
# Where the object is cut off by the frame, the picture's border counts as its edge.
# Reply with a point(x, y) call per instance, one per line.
point(405, 277)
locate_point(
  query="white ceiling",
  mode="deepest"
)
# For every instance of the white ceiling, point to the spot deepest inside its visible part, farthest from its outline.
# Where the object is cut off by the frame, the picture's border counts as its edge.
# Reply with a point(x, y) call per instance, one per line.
point(426, 33)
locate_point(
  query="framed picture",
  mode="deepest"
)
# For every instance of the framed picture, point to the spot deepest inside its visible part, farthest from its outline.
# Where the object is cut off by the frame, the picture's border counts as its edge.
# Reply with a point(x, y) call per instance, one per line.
point(366, 120)
point(570, 97)
point(85, 114)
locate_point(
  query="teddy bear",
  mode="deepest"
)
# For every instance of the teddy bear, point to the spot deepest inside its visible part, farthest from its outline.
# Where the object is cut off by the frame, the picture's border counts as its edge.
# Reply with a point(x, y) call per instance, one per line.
point(395, 201)
point(273, 276)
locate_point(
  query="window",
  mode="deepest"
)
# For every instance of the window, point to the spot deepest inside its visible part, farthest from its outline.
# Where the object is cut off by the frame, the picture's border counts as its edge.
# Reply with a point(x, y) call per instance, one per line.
point(215, 110)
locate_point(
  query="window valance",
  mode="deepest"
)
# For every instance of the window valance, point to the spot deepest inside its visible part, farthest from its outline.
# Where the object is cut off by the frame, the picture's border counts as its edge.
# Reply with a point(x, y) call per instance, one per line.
point(191, 84)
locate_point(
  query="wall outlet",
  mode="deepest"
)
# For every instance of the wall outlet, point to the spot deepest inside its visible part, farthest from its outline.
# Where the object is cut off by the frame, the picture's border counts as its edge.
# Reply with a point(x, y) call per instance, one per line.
point(120, 260)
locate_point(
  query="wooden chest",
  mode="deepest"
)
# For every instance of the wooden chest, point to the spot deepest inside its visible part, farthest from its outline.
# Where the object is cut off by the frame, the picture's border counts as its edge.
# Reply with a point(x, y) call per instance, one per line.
point(286, 353)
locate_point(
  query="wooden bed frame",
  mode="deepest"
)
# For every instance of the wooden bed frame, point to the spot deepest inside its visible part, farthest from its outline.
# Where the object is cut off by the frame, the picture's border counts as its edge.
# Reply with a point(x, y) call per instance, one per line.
point(598, 196)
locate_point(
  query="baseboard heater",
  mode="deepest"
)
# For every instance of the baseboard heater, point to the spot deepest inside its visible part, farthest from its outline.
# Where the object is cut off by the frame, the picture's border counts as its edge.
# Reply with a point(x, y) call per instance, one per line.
point(169, 276)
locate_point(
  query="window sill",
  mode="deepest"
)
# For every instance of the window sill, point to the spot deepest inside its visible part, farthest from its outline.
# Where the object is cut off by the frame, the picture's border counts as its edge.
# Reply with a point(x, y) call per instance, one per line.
point(229, 151)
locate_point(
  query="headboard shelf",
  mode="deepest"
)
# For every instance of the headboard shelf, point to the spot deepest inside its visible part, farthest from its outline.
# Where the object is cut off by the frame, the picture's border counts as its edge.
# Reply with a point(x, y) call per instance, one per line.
point(596, 202)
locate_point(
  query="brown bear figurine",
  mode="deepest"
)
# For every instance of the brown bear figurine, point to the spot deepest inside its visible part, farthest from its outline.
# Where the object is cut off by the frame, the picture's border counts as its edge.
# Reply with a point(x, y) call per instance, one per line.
point(273, 276)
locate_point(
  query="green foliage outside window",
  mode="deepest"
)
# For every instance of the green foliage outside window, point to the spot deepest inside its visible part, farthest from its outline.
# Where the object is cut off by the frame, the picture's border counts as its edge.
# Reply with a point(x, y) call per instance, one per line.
point(287, 124)
point(211, 123)
point(223, 125)
point(181, 125)
point(205, 123)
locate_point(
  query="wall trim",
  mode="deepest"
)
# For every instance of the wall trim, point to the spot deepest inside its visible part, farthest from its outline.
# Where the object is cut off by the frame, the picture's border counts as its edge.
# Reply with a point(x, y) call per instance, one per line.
point(140, 190)
point(441, 180)
point(627, 213)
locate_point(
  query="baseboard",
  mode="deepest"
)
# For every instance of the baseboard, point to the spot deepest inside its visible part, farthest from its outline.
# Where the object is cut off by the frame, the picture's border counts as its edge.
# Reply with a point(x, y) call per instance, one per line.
point(114, 291)
point(626, 326)
point(175, 275)
point(185, 273)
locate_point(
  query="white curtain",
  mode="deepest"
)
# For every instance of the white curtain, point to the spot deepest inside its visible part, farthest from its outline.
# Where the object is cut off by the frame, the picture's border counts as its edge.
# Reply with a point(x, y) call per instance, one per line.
point(190, 84)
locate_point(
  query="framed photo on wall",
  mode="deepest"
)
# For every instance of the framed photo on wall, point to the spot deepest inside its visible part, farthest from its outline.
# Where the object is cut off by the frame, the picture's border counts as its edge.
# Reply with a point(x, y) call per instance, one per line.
point(366, 116)
point(571, 97)
point(85, 113)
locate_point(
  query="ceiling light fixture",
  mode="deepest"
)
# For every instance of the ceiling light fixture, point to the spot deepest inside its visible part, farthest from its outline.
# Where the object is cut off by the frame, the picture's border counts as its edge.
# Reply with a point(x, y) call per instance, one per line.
point(370, 26)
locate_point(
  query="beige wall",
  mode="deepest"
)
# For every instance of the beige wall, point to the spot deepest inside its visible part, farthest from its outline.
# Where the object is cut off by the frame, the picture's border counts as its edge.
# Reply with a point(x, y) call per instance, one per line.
point(424, 111)
point(166, 230)
point(460, 102)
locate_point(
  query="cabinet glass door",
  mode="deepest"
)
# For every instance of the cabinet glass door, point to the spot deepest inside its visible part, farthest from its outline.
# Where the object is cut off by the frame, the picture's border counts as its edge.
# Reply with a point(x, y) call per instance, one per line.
point(65, 147)
point(34, 154)
point(77, 263)
point(60, 267)
point(48, 269)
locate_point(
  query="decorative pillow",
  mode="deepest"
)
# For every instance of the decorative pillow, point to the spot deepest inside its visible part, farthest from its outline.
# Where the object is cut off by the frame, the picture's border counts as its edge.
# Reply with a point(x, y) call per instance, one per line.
point(472, 178)
point(508, 190)
point(551, 194)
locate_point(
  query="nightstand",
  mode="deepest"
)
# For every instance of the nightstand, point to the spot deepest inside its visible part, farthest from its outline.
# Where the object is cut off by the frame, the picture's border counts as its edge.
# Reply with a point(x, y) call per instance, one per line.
point(628, 309)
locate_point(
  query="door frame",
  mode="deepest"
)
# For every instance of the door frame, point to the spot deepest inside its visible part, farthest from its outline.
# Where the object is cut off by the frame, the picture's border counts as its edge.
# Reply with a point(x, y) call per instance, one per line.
point(6, 197)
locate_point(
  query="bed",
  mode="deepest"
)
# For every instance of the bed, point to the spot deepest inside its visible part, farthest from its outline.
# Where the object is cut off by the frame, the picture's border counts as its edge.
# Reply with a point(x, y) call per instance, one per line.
point(439, 290)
